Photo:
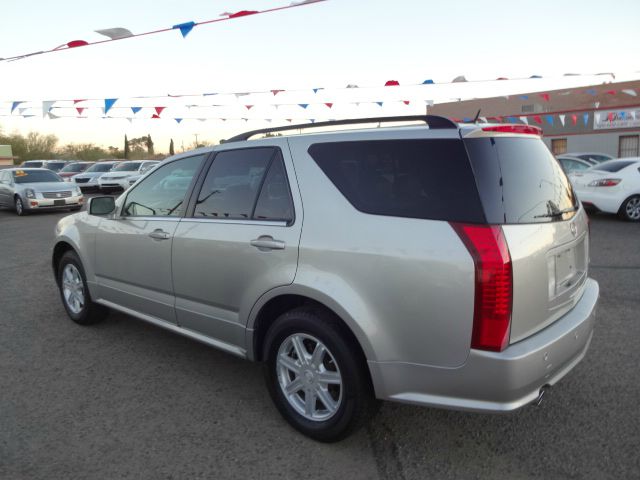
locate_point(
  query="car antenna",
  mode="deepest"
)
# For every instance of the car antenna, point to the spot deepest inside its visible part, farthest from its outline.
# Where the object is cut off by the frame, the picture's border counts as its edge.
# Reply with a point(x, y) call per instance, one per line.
point(475, 120)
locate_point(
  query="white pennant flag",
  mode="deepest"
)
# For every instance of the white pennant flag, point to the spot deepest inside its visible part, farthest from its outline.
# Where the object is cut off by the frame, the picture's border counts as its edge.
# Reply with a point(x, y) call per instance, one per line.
point(525, 120)
point(597, 116)
point(561, 117)
point(633, 114)
point(46, 106)
point(629, 91)
point(596, 104)
point(52, 116)
point(483, 119)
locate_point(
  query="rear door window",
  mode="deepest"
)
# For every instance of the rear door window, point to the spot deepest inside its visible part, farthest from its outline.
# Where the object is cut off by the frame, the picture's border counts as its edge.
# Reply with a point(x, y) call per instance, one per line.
point(428, 179)
point(519, 180)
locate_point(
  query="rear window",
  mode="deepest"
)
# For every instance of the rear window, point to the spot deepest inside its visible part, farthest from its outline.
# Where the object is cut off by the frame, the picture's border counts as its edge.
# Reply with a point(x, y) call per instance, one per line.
point(519, 180)
point(74, 167)
point(613, 166)
point(429, 179)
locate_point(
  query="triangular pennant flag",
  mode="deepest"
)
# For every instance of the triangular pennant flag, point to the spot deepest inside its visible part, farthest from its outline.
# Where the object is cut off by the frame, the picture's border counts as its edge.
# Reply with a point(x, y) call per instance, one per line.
point(466, 119)
point(46, 106)
point(115, 33)
point(28, 116)
point(22, 110)
point(392, 83)
point(622, 114)
point(561, 117)
point(524, 120)
point(241, 94)
point(79, 100)
point(633, 114)
point(357, 104)
point(312, 120)
point(428, 82)
point(80, 110)
point(585, 119)
point(610, 92)
point(315, 90)
point(596, 116)
point(544, 96)
point(549, 119)
point(380, 103)
point(241, 13)
point(499, 119)
point(208, 94)
point(159, 110)
point(429, 102)
point(178, 120)
point(629, 91)
point(524, 97)
point(596, 104)
point(511, 119)
point(288, 120)
point(135, 109)
point(537, 119)
point(483, 119)
point(329, 105)
point(268, 120)
point(108, 103)
point(155, 115)
point(303, 105)
point(130, 120)
point(52, 116)
point(406, 102)
point(185, 28)
point(591, 91)
point(248, 107)
point(14, 105)
point(275, 92)
point(574, 119)
point(610, 117)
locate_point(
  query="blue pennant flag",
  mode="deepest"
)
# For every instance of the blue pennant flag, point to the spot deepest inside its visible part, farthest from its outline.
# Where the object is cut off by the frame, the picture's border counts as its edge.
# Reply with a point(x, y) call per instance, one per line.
point(135, 109)
point(304, 105)
point(549, 119)
point(585, 119)
point(315, 90)
point(512, 119)
point(178, 120)
point(428, 82)
point(466, 119)
point(207, 94)
point(380, 103)
point(524, 97)
point(14, 105)
point(535, 76)
point(185, 28)
point(312, 120)
point(591, 91)
point(622, 115)
point(108, 103)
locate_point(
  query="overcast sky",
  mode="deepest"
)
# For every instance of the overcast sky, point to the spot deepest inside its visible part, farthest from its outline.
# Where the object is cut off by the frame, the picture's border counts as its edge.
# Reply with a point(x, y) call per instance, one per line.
point(329, 44)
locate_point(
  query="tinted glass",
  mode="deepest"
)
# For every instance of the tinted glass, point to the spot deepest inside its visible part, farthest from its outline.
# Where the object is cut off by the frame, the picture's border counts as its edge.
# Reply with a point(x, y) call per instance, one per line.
point(74, 167)
point(429, 179)
point(55, 166)
point(35, 176)
point(613, 166)
point(100, 167)
point(230, 189)
point(572, 165)
point(274, 202)
point(163, 192)
point(32, 164)
point(127, 167)
point(519, 180)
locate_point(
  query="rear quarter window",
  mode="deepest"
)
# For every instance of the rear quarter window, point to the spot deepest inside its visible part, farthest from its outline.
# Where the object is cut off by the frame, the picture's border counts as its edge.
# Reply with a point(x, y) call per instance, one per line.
point(427, 179)
point(613, 166)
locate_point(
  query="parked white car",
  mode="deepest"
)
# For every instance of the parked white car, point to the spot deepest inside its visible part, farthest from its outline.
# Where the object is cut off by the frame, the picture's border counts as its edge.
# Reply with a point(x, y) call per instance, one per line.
point(118, 177)
point(88, 180)
point(612, 187)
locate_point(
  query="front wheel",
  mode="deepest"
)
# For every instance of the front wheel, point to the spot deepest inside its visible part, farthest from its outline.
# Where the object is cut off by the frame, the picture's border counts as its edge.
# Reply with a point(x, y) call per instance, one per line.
point(315, 375)
point(74, 292)
point(19, 206)
point(630, 209)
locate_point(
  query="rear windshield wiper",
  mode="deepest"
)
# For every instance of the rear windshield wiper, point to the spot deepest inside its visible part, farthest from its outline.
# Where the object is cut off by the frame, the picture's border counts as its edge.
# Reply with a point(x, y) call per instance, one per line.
point(559, 213)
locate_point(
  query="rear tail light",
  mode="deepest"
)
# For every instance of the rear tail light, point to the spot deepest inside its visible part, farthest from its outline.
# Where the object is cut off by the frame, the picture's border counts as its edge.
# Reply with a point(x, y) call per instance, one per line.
point(605, 182)
point(526, 129)
point(494, 285)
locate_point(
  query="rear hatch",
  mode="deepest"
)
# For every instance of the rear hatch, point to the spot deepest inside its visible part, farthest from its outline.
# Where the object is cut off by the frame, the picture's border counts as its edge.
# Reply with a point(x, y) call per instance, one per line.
point(523, 188)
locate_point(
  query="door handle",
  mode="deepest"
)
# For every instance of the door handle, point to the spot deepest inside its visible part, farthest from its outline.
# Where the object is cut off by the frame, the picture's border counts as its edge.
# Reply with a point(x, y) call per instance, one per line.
point(266, 242)
point(159, 234)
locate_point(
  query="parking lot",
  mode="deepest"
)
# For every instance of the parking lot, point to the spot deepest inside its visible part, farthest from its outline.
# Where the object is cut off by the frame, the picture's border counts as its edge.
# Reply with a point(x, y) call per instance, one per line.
point(124, 399)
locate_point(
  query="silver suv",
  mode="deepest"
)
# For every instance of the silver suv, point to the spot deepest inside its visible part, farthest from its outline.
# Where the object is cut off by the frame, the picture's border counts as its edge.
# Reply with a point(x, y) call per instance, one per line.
point(444, 266)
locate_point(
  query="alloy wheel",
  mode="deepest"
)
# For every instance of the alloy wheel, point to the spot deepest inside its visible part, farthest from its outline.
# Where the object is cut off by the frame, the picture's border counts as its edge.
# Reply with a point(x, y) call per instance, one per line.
point(73, 288)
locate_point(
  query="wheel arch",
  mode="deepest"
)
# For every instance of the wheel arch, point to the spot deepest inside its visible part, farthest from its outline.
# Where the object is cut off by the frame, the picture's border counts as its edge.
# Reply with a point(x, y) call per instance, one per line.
point(59, 250)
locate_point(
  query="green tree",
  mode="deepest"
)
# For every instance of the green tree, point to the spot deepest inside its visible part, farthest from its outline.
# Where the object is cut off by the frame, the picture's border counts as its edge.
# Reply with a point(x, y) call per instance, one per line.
point(84, 151)
point(126, 147)
point(171, 150)
point(32, 147)
point(149, 145)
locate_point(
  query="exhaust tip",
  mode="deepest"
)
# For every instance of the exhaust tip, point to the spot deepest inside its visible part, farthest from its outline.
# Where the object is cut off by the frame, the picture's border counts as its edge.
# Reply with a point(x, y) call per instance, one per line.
point(541, 393)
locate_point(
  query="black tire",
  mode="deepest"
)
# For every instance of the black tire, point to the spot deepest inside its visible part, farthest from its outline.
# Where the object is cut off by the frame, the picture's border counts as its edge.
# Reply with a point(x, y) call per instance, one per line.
point(355, 402)
point(18, 206)
point(630, 209)
point(75, 209)
point(90, 312)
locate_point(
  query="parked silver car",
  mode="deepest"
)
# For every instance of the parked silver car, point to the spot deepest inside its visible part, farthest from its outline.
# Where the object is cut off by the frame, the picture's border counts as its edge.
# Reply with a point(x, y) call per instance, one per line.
point(443, 266)
point(29, 189)
point(88, 180)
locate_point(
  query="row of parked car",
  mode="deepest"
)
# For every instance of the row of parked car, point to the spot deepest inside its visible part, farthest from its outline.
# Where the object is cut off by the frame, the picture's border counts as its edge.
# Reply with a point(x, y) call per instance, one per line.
point(55, 185)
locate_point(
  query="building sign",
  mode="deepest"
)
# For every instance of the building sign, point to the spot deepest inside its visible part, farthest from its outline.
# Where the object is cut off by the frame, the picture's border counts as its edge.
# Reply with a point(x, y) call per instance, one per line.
point(608, 119)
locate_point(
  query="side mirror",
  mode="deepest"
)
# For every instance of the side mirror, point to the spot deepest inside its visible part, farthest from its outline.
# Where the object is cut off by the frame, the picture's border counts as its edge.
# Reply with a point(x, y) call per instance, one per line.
point(101, 205)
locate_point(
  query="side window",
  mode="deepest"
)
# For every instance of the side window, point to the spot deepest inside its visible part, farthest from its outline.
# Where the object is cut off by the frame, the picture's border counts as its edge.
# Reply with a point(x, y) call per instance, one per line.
point(232, 184)
point(274, 202)
point(163, 191)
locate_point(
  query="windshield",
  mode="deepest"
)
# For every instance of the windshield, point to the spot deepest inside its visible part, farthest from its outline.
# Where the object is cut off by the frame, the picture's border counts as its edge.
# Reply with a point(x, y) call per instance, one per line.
point(99, 167)
point(35, 176)
point(613, 166)
point(33, 164)
point(74, 167)
point(127, 167)
point(55, 166)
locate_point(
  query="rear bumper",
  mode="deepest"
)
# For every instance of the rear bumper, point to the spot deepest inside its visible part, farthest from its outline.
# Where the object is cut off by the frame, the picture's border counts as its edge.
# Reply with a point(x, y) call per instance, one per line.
point(496, 381)
point(604, 202)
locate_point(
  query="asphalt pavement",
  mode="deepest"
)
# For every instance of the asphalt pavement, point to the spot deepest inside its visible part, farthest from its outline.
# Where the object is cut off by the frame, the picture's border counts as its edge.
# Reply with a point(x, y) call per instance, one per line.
point(124, 399)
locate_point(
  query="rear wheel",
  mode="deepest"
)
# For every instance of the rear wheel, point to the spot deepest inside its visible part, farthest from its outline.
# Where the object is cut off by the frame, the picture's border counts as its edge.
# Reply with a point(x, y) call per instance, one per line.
point(19, 206)
point(630, 209)
point(316, 378)
point(74, 292)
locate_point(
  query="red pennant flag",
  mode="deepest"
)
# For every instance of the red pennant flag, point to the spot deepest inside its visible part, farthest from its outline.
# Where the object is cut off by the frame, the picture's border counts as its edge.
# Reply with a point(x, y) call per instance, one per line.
point(392, 83)
point(329, 105)
point(611, 92)
point(242, 13)
point(155, 115)
point(406, 102)
point(78, 101)
point(610, 116)
point(499, 119)
point(159, 110)
point(80, 110)
point(537, 119)
point(275, 92)
point(545, 96)
point(248, 107)
point(77, 43)
point(574, 119)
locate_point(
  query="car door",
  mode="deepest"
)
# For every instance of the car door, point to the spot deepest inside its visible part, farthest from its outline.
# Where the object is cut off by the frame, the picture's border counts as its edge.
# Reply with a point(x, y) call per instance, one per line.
point(239, 240)
point(133, 249)
point(4, 189)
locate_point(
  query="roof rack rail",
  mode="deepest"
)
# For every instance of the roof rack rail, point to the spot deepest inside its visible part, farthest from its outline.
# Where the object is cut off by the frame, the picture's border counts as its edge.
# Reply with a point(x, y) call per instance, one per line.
point(433, 121)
